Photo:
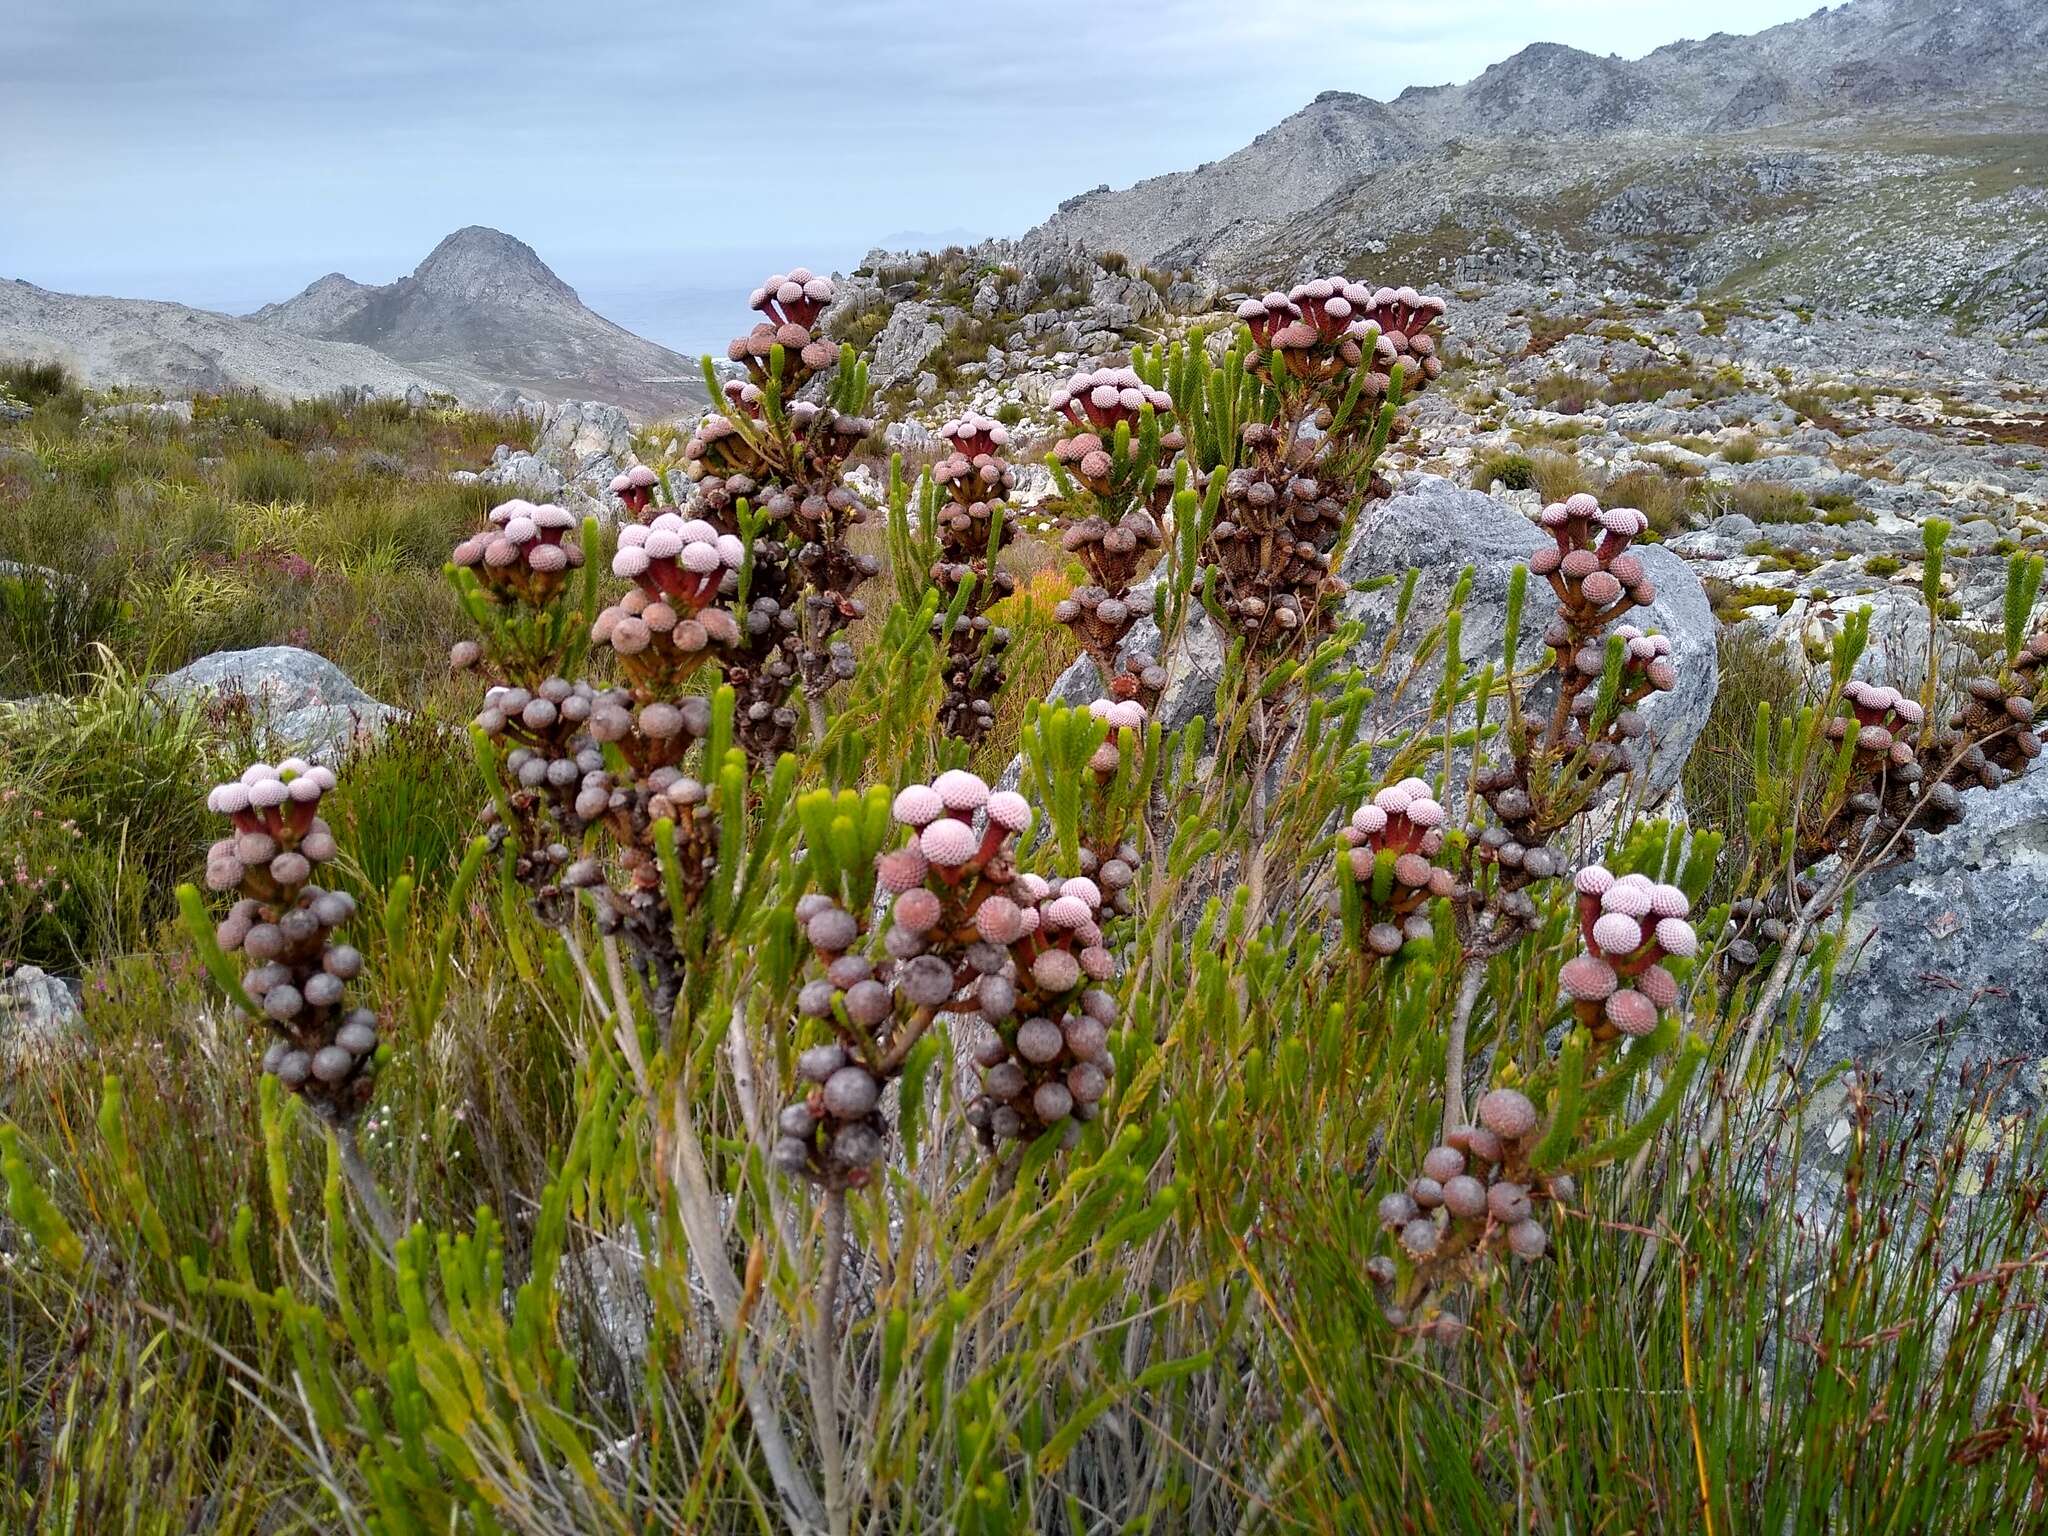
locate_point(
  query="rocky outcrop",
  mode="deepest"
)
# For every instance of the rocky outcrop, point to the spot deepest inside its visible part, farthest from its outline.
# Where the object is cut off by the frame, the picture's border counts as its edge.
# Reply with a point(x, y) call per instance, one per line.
point(1943, 989)
point(306, 703)
point(1673, 154)
point(580, 446)
point(174, 413)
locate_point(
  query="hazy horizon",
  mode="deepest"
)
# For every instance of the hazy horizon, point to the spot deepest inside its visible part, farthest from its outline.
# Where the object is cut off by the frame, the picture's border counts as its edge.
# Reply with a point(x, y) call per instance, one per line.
point(262, 146)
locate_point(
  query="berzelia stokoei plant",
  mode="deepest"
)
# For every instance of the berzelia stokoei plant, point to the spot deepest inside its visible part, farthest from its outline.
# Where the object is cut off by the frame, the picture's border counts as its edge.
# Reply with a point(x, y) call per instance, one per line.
point(1481, 1193)
point(769, 471)
point(974, 524)
point(1333, 380)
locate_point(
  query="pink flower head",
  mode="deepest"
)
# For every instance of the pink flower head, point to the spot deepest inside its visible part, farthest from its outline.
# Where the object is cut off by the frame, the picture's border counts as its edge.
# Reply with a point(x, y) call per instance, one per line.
point(1616, 933)
point(948, 843)
point(960, 791)
point(1010, 811)
point(917, 804)
point(1587, 978)
point(1631, 1012)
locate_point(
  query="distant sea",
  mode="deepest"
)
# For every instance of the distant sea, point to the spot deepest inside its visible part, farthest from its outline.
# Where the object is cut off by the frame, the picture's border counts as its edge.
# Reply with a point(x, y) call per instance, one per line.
point(702, 304)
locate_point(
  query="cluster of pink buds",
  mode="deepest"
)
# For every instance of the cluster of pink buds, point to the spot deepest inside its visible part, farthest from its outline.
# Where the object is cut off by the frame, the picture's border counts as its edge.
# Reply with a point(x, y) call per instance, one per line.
point(791, 304)
point(1630, 926)
point(1404, 318)
point(523, 557)
point(677, 561)
point(1316, 327)
point(1102, 400)
point(284, 924)
point(1476, 1195)
point(1590, 568)
point(1047, 1065)
point(1391, 840)
point(659, 647)
point(1992, 733)
point(1885, 787)
point(635, 488)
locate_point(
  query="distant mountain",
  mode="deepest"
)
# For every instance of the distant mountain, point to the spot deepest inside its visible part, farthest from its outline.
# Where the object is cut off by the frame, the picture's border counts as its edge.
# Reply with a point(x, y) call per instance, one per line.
point(1537, 144)
point(184, 351)
point(485, 305)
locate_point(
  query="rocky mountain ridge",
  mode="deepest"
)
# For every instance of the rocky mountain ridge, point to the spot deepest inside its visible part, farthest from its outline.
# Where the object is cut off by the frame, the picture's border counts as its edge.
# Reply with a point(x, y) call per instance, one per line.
point(1859, 103)
point(180, 351)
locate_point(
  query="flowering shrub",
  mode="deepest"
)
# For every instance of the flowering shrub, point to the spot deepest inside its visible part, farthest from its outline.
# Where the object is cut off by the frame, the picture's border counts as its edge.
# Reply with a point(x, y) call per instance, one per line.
point(1126, 1148)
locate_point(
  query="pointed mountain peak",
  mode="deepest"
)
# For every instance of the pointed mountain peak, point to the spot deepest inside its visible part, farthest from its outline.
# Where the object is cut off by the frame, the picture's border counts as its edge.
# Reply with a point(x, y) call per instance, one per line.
point(476, 261)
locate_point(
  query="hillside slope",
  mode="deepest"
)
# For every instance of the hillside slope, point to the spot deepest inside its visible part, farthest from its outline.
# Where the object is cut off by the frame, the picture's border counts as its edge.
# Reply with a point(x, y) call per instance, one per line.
point(182, 351)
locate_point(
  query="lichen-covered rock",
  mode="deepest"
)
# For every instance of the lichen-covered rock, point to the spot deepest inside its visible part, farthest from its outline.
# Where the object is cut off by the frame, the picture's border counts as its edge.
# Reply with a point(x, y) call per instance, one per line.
point(38, 1015)
point(911, 336)
point(1431, 526)
point(304, 700)
point(1946, 964)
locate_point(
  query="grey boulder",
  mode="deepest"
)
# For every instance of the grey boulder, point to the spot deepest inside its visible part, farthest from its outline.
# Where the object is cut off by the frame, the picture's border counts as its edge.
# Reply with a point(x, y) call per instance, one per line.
point(308, 703)
point(1436, 529)
point(38, 1015)
point(1945, 970)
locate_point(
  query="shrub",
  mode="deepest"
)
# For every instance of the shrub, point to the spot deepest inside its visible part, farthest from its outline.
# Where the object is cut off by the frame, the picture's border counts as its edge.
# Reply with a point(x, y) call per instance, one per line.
point(694, 1097)
point(1740, 449)
point(1514, 471)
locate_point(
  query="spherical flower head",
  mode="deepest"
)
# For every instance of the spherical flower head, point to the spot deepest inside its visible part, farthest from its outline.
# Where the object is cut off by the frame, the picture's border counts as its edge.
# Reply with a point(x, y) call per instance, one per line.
point(228, 799)
point(1593, 880)
point(1627, 898)
point(1055, 970)
point(1396, 1210)
point(1010, 811)
point(1507, 1113)
point(917, 910)
point(948, 843)
point(1443, 1163)
point(1425, 812)
point(1394, 800)
point(917, 805)
point(1412, 870)
point(1583, 504)
point(1082, 889)
point(902, 869)
point(1368, 820)
point(1616, 933)
point(548, 559)
point(1067, 912)
point(1527, 1240)
point(1675, 936)
point(999, 920)
point(1659, 986)
point(1669, 901)
point(960, 791)
point(1587, 978)
point(1632, 1013)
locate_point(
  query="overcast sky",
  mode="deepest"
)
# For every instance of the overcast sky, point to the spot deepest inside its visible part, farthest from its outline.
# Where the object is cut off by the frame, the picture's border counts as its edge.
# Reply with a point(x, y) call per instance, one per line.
point(224, 152)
